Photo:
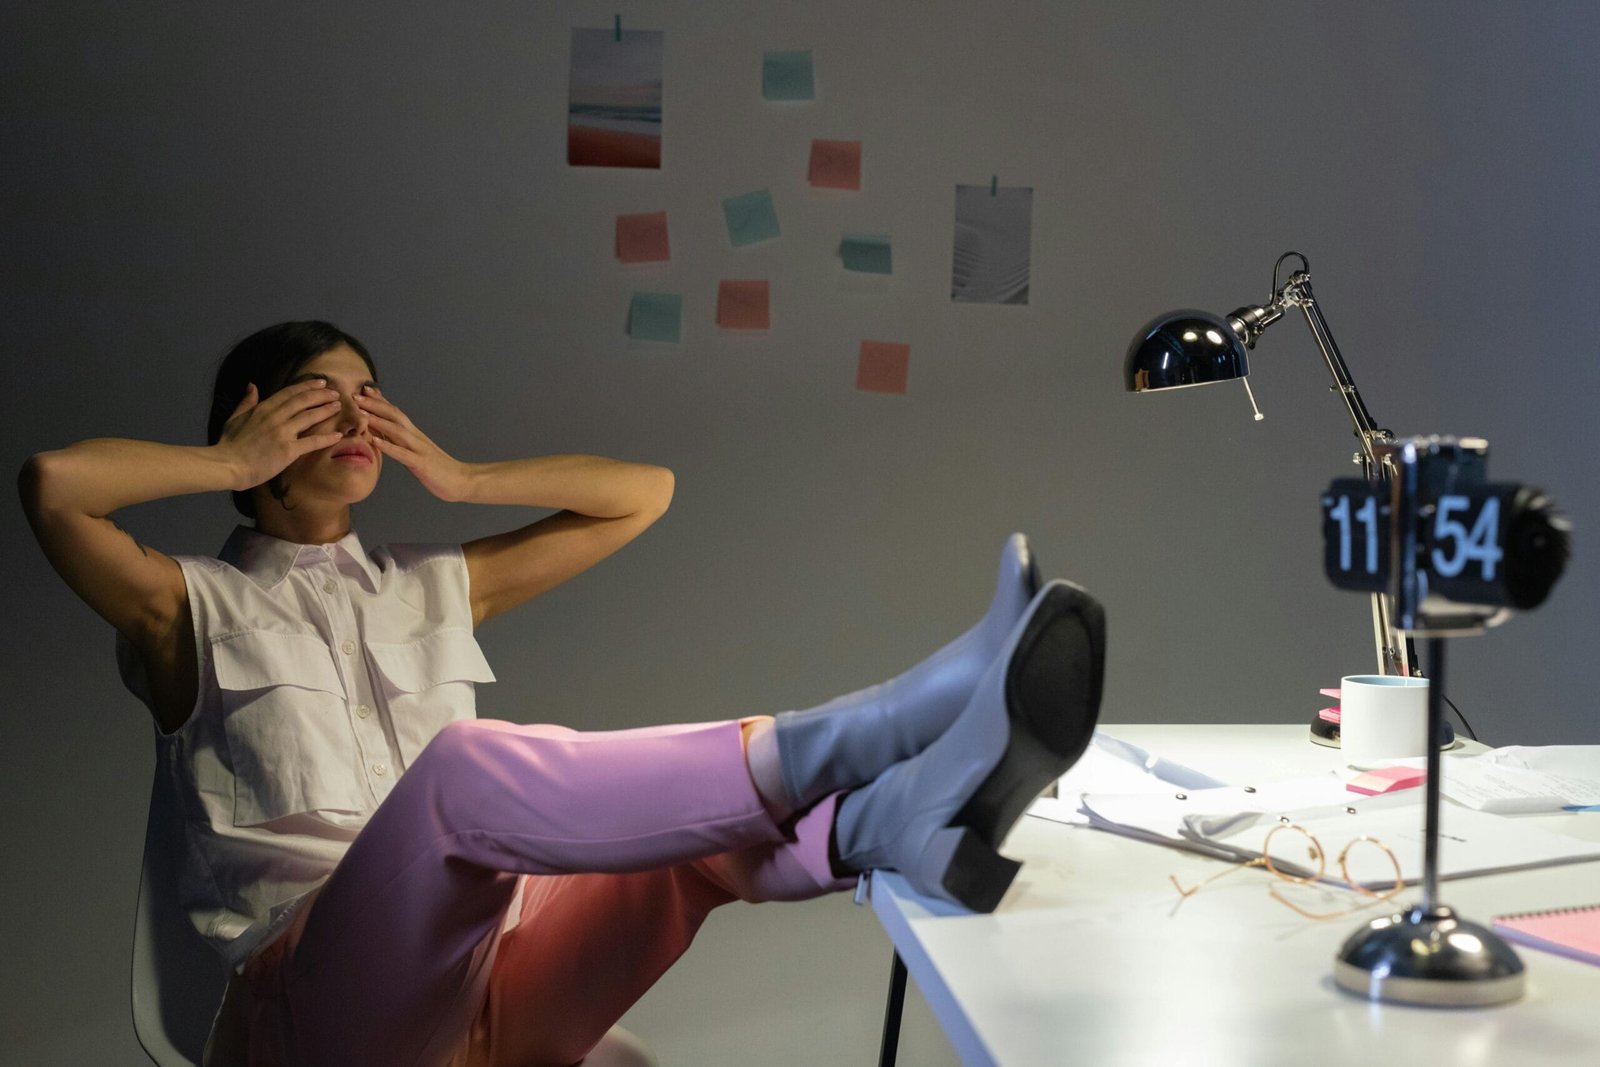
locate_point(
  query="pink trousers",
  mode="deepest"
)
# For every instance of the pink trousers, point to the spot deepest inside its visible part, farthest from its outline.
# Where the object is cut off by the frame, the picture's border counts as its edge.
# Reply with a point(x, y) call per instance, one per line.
point(623, 842)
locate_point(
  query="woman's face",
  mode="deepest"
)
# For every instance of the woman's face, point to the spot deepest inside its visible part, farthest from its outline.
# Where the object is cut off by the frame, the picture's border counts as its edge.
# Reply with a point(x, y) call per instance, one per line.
point(347, 472)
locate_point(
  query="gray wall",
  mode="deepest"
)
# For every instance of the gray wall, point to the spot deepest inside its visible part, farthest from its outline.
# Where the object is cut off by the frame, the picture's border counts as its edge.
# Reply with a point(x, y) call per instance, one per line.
point(176, 175)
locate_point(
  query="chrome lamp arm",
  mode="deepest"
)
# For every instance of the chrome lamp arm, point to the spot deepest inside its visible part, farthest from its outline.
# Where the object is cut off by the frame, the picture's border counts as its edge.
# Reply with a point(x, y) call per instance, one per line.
point(1396, 653)
point(1250, 322)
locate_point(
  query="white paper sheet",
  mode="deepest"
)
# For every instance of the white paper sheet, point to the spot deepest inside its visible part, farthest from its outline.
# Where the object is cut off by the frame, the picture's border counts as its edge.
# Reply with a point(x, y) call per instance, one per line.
point(1112, 765)
point(1161, 816)
point(1124, 789)
point(1232, 823)
point(1522, 779)
point(1470, 842)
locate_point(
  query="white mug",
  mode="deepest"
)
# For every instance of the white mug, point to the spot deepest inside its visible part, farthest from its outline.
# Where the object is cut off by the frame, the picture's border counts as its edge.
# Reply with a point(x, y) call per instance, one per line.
point(1382, 717)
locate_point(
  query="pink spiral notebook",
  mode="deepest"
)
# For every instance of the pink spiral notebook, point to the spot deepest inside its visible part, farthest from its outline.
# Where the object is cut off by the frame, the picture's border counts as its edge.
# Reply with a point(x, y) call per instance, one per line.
point(1573, 932)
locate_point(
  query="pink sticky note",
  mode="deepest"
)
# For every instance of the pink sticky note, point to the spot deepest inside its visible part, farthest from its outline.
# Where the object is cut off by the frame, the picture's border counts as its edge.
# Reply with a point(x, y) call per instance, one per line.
point(1387, 780)
point(883, 367)
point(835, 164)
point(1328, 714)
point(1334, 693)
point(744, 305)
point(643, 238)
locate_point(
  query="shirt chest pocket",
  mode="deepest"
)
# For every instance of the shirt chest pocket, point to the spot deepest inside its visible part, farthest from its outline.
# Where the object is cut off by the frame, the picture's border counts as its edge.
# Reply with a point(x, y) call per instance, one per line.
point(428, 682)
point(286, 720)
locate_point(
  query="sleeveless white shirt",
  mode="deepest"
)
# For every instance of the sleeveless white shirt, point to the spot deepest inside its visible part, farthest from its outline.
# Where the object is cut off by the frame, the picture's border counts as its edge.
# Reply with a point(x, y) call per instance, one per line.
point(323, 673)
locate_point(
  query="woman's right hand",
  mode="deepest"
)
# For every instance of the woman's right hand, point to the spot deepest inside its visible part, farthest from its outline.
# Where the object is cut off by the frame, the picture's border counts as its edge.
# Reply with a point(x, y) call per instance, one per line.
point(262, 437)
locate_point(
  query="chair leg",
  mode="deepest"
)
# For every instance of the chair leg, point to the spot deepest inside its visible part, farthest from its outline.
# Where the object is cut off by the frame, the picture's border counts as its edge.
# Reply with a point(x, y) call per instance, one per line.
point(890, 1048)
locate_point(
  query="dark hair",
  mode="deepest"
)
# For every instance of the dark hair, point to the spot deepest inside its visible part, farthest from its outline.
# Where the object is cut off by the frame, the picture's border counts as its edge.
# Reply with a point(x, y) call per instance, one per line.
point(269, 358)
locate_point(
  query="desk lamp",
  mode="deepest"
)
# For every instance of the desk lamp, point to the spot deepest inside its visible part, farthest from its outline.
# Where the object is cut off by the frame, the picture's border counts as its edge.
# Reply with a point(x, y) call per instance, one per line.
point(1447, 555)
point(1188, 347)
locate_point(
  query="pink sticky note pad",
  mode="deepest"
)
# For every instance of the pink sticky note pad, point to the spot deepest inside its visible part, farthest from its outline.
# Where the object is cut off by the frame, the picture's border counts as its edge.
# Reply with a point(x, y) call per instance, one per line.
point(643, 238)
point(883, 367)
point(835, 164)
point(744, 305)
point(1387, 780)
point(1328, 714)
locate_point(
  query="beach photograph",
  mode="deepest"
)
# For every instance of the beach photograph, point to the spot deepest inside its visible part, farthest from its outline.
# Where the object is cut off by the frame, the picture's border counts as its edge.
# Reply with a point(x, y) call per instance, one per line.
point(614, 108)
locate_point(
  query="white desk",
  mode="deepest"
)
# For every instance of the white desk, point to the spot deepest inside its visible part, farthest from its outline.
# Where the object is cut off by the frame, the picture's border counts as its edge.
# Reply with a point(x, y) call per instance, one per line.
point(1089, 961)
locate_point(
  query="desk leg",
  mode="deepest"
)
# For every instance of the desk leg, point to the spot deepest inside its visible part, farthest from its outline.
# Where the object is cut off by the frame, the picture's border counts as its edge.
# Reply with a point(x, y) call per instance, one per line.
point(891, 1014)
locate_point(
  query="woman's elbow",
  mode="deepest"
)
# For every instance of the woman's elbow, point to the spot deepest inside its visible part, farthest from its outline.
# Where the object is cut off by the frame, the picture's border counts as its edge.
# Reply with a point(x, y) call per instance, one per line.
point(663, 482)
point(34, 481)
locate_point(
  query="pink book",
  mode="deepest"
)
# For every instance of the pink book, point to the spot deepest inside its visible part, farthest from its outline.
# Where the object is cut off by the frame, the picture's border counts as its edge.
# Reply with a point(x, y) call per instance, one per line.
point(1573, 932)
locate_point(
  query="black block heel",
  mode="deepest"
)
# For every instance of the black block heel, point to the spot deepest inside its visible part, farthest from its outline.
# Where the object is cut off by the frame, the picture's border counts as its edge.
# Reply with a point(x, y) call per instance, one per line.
point(969, 868)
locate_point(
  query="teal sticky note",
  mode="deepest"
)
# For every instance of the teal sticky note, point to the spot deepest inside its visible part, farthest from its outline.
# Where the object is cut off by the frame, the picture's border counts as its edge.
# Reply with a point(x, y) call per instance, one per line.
point(751, 218)
point(656, 317)
point(869, 255)
point(787, 76)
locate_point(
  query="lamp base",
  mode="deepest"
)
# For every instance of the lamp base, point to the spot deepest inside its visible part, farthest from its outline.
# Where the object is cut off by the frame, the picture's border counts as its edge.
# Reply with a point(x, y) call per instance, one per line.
point(1326, 733)
point(1431, 958)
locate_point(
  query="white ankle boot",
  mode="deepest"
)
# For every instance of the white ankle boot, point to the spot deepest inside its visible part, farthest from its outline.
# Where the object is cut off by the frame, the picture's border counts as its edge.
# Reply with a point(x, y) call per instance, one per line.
point(852, 739)
point(939, 817)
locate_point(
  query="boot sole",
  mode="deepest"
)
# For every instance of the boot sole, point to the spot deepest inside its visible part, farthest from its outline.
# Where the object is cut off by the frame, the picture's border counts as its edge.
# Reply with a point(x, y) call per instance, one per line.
point(1052, 690)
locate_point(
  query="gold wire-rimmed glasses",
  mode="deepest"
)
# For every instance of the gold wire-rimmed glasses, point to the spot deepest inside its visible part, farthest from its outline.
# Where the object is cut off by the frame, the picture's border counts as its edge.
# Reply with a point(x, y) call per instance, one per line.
point(1314, 854)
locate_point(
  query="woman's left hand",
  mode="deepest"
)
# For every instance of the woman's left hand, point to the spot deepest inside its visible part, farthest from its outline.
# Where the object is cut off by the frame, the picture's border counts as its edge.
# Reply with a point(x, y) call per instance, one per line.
point(397, 436)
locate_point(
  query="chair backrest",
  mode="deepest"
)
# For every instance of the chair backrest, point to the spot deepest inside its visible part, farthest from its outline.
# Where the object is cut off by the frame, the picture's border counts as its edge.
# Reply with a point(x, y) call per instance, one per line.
point(620, 1048)
point(177, 979)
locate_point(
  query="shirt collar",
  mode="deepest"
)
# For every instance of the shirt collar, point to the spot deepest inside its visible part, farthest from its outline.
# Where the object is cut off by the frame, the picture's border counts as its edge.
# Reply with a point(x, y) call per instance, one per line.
point(267, 559)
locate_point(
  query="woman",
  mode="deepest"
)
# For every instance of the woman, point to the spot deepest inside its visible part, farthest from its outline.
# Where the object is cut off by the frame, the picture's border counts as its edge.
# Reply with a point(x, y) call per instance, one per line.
point(396, 882)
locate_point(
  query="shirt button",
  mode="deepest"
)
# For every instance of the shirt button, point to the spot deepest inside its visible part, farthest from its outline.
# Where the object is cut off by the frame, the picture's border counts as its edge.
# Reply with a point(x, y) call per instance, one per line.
point(363, 711)
point(348, 647)
point(329, 586)
point(380, 768)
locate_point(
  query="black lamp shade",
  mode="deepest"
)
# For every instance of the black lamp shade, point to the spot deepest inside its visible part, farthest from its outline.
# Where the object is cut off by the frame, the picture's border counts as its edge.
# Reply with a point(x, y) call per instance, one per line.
point(1184, 348)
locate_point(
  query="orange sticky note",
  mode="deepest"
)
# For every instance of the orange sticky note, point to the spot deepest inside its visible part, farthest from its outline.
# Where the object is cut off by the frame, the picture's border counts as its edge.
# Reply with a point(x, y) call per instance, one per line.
point(744, 305)
point(643, 238)
point(883, 367)
point(835, 164)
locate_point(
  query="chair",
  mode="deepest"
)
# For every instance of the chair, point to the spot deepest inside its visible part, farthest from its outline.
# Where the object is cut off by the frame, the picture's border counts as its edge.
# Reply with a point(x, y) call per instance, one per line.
point(178, 980)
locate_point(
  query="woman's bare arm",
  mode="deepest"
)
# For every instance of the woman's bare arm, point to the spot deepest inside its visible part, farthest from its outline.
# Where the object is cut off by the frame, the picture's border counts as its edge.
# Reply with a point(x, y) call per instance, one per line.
point(604, 504)
point(70, 494)
point(601, 505)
